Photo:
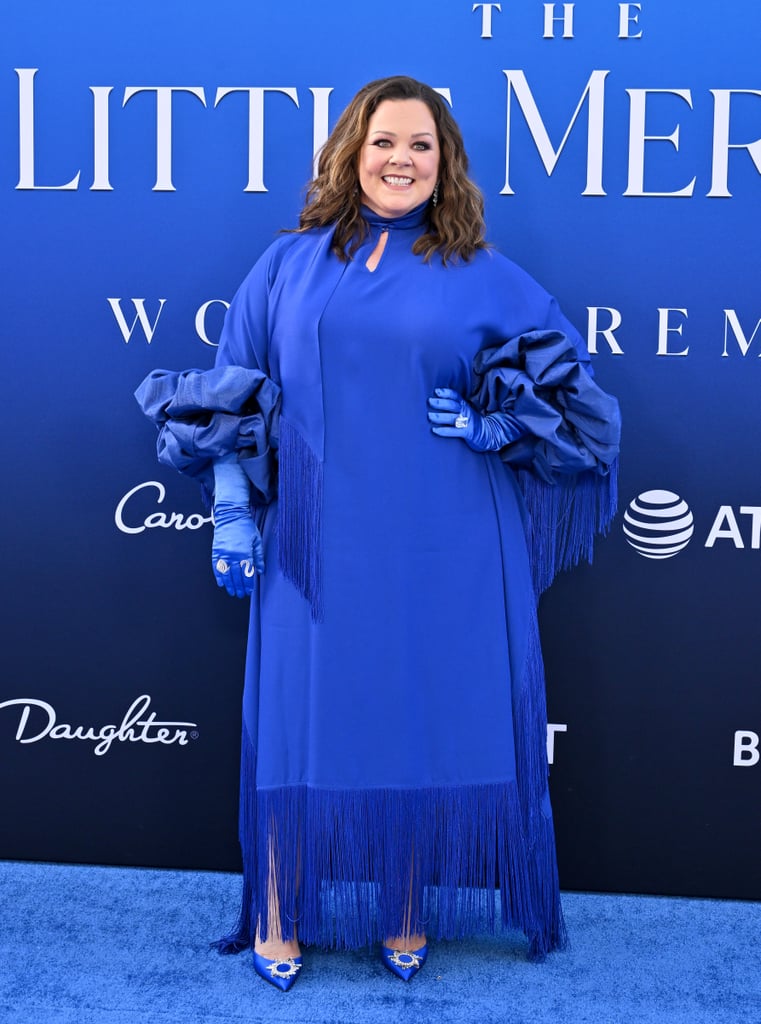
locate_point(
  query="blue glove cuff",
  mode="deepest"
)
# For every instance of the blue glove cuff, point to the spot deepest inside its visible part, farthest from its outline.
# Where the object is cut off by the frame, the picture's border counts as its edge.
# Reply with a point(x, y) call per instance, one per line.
point(230, 482)
point(492, 431)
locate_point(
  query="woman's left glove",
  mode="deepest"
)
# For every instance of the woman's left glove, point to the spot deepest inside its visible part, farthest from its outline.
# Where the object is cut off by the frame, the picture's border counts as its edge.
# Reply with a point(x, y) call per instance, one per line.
point(452, 416)
point(237, 551)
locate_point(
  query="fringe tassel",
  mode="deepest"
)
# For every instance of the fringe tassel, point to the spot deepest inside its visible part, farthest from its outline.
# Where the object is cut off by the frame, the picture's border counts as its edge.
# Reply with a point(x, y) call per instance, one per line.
point(299, 522)
point(564, 519)
point(346, 865)
point(530, 723)
point(244, 933)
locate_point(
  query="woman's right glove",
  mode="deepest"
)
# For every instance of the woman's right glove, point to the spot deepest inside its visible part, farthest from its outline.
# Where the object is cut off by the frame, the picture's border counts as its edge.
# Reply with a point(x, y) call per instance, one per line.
point(237, 551)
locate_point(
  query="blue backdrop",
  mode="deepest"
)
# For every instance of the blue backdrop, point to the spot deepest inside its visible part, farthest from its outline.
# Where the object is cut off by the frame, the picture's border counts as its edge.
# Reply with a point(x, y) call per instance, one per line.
point(150, 153)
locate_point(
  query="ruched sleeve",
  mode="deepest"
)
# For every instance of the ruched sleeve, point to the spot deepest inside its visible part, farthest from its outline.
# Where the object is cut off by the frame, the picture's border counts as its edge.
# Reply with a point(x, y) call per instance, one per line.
point(572, 424)
point(203, 414)
point(567, 462)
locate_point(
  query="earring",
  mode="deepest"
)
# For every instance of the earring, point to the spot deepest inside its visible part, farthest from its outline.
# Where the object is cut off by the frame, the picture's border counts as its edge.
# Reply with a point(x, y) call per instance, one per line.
point(435, 195)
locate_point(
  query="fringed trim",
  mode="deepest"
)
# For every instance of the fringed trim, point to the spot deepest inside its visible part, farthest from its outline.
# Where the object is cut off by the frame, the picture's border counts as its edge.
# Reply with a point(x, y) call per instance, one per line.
point(244, 932)
point(347, 865)
point(530, 730)
point(299, 522)
point(564, 519)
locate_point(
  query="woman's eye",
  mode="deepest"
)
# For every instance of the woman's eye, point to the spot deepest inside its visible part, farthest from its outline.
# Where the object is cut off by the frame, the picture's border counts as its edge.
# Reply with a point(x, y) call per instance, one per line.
point(422, 145)
point(385, 143)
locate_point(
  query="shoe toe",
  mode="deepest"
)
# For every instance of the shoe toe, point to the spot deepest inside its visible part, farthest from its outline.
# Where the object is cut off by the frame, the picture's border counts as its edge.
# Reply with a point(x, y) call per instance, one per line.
point(404, 963)
point(280, 973)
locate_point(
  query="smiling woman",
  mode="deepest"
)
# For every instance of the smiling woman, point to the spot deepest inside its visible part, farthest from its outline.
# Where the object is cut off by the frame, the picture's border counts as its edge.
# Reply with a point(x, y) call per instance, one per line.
point(394, 745)
point(399, 162)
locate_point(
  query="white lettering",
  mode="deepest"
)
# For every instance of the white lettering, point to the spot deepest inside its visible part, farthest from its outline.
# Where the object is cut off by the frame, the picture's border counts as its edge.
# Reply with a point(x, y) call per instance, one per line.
point(160, 520)
point(164, 95)
point(255, 128)
point(721, 144)
point(140, 314)
point(607, 332)
point(664, 330)
point(731, 320)
point(746, 749)
point(551, 730)
point(320, 122)
point(134, 728)
point(595, 90)
point(26, 179)
point(201, 320)
point(486, 10)
point(638, 138)
point(100, 182)
point(626, 18)
point(754, 511)
point(593, 94)
point(550, 18)
point(730, 531)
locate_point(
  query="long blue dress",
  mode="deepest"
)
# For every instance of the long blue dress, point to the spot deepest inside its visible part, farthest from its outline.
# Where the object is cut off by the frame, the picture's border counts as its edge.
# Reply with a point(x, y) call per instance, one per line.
point(394, 715)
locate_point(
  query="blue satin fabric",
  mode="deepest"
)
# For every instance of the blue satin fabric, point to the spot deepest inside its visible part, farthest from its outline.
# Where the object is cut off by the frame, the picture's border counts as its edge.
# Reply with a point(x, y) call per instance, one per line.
point(572, 424)
point(204, 414)
point(409, 714)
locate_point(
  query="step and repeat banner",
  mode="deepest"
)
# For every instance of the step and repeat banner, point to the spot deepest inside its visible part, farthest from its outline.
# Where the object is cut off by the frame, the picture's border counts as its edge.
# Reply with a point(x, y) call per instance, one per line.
point(150, 152)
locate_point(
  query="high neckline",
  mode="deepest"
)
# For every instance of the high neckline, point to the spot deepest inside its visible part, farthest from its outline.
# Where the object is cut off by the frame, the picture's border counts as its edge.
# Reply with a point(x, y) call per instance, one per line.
point(413, 219)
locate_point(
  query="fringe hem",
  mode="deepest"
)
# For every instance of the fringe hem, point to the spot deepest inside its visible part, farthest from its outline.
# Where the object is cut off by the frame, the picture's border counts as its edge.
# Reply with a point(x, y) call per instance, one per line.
point(348, 864)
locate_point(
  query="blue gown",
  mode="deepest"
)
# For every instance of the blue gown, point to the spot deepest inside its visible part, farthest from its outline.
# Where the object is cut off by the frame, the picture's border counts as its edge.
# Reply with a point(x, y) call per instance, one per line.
point(394, 713)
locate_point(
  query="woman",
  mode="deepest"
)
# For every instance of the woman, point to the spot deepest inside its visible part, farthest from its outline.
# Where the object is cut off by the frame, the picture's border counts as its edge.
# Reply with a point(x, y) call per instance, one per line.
point(441, 451)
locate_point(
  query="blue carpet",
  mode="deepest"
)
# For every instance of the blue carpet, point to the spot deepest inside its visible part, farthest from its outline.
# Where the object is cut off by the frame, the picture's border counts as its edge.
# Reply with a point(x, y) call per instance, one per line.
point(84, 945)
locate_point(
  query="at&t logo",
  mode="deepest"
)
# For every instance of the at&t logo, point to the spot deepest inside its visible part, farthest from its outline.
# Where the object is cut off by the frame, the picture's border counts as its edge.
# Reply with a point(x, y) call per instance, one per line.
point(658, 524)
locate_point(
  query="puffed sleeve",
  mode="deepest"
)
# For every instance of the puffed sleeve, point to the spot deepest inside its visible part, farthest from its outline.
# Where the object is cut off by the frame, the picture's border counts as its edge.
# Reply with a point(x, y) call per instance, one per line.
point(203, 414)
point(567, 462)
point(235, 407)
point(572, 424)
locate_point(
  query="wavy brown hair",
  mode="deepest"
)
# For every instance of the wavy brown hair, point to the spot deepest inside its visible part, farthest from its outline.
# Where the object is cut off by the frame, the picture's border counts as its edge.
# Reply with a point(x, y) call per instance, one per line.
point(455, 224)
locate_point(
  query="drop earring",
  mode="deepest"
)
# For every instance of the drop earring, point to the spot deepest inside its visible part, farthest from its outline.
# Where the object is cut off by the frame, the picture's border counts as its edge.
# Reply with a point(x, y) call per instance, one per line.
point(435, 194)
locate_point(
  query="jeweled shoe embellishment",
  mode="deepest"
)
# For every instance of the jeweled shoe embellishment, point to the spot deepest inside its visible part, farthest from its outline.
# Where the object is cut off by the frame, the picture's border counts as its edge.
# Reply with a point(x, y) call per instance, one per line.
point(404, 963)
point(283, 968)
point(405, 960)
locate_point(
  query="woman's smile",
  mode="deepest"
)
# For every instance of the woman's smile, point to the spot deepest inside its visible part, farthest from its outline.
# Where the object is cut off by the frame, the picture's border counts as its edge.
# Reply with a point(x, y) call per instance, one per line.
point(399, 160)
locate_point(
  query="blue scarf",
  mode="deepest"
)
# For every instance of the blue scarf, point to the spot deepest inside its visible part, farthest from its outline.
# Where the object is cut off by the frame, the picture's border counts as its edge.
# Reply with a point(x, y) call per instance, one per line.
point(298, 301)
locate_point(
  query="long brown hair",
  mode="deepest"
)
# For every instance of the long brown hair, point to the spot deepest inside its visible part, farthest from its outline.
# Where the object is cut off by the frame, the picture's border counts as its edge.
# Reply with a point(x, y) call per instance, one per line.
point(455, 223)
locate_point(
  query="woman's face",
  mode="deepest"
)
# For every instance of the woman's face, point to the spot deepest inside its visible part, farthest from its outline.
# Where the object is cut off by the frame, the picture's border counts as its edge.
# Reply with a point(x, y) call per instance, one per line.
point(399, 159)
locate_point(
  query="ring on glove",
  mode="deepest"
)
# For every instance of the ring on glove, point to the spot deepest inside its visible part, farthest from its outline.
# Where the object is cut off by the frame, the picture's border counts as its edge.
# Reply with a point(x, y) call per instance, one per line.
point(461, 422)
point(248, 568)
point(222, 566)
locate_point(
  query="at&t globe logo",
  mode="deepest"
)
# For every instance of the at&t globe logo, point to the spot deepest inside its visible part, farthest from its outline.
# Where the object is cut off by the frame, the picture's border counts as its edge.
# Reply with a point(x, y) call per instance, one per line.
point(658, 524)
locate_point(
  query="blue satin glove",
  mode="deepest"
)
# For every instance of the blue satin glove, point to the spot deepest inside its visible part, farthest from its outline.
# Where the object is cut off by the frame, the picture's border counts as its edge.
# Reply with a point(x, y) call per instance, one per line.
point(236, 551)
point(452, 416)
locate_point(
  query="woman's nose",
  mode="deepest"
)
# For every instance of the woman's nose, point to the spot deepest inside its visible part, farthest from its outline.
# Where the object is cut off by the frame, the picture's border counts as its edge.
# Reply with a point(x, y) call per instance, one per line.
point(400, 156)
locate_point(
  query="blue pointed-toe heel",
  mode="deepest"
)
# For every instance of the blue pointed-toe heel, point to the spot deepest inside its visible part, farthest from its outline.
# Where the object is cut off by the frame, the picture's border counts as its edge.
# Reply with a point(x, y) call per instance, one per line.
point(280, 973)
point(404, 963)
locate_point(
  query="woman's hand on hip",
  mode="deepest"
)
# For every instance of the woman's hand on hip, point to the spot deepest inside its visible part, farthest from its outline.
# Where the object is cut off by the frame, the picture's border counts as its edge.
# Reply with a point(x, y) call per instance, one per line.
point(451, 415)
